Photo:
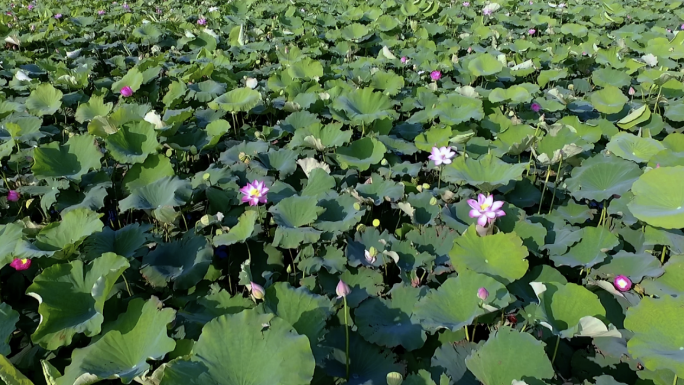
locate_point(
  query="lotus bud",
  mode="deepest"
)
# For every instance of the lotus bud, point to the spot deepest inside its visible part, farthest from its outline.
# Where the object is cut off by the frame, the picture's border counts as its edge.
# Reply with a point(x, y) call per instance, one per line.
point(257, 290)
point(433, 201)
point(383, 162)
point(370, 255)
point(126, 92)
point(622, 283)
point(13, 195)
point(342, 289)
point(394, 378)
point(571, 87)
point(631, 91)
point(289, 269)
point(482, 293)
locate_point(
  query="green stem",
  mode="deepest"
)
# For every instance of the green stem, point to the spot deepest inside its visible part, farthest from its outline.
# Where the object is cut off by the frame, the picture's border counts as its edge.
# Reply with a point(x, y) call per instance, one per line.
point(439, 178)
point(675, 380)
point(556, 187)
point(467, 336)
point(555, 350)
point(546, 182)
point(346, 333)
point(662, 256)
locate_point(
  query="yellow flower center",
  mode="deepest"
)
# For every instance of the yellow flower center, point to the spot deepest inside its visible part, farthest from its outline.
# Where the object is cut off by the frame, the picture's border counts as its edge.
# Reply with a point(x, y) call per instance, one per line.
point(254, 192)
point(484, 206)
point(24, 260)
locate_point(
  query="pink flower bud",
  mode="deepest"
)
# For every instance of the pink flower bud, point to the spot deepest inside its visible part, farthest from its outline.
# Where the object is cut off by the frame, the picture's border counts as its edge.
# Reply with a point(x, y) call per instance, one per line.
point(126, 92)
point(13, 195)
point(257, 290)
point(532, 31)
point(404, 59)
point(631, 91)
point(622, 283)
point(482, 293)
point(20, 264)
point(435, 75)
point(342, 289)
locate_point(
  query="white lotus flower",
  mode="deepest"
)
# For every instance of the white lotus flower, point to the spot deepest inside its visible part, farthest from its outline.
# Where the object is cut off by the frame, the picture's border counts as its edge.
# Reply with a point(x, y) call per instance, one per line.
point(219, 216)
point(155, 119)
point(251, 83)
point(213, 9)
point(22, 76)
point(74, 54)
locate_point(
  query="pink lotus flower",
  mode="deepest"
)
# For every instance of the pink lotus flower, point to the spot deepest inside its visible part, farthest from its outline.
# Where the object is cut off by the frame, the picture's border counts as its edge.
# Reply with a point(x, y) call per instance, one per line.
point(482, 293)
point(622, 283)
point(159, 11)
point(257, 290)
point(403, 60)
point(126, 92)
point(532, 31)
point(682, 27)
point(441, 155)
point(254, 193)
point(20, 264)
point(342, 289)
point(30, 7)
point(58, 16)
point(486, 11)
point(536, 107)
point(13, 195)
point(101, 12)
point(631, 91)
point(470, 49)
point(126, 6)
point(485, 209)
point(435, 75)
point(202, 21)
point(466, 4)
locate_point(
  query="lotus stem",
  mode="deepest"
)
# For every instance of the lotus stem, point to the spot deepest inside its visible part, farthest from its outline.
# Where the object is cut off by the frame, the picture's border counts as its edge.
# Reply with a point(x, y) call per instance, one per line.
point(546, 182)
point(555, 350)
point(662, 255)
point(466, 333)
point(439, 178)
point(128, 288)
point(346, 333)
point(675, 380)
point(560, 164)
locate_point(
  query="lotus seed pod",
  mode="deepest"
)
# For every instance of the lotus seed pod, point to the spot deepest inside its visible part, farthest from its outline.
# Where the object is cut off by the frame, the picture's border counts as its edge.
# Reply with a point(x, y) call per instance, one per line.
point(433, 201)
point(376, 222)
point(394, 378)
point(361, 228)
point(426, 186)
point(357, 206)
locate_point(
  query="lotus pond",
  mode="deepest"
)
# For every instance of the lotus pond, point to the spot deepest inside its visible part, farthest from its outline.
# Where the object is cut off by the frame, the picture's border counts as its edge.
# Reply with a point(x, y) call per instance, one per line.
point(323, 192)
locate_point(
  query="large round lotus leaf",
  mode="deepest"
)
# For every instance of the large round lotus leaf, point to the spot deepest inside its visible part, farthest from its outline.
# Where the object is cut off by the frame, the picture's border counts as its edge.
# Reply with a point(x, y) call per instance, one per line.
point(147, 33)
point(670, 283)
point(609, 100)
point(138, 335)
point(657, 340)
point(380, 190)
point(8, 320)
point(638, 116)
point(355, 31)
point(10, 235)
point(501, 256)
point(635, 148)
point(202, 91)
point(284, 161)
point(165, 192)
point(44, 100)
point(455, 303)
point(68, 234)
point(72, 298)
point(574, 30)
point(133, 78)
point(562, 306)
point(292, 215)
point(237, 100)
point(95, 107)
point(154, 168)
point(449, 359)
point(305, 311)
point(659, 197)
point(240, 232)
point(487, 172)
point(483, 65)
point(184, 262)
point(244, 348)
point(305, 69)
point(10, 375)
point(601, 177)
point(133, 142)
point(364, 106)
point(361, 154)
point(389, 82)
point(633, 265)
point(595, 241)
point(124, 241)
point(494, 363)
point(609, 77)
point(340, 213)
point(387, 322)
point(71, 160)
point(675, 111)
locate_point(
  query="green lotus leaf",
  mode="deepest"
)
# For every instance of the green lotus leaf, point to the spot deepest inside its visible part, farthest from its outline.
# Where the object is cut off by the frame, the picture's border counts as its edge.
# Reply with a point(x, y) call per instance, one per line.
point(484, 65)
point(138, 335)
point(455, 304)
point(449, 360)
point(306, 312)
point(600, 177)
point(305, 68)
point(8, 320)
point(547, 76)
point(423, 377)
point(487, 172)
point(575, 213)
point(659, 198)
point(638, 116)
point(389, 82)
point(380, 190)
point(670, 283)
point(574, 30)
point(284, 161)
point(363, 107)
point(387, 322)
point(44, 100)
point(95, 107)
point(320, 137)
point(165, 192)
point(177, 90)
point(355, 32)
point(458, 109)
point(368, 363)
point(124, 241)
point(514, 94)
point(590, 250)
point(238, 349)
point(610, 77)
point(331, 258)
point(654, 343)
point(237, 100)
point(340, 213)
point(422, 208)
point(609, 100)
point(133, 142)
point(203, 91)
point(636, 266)
point(183, 262)
point(675, 111)
point(247, 149)
point(10, 235)
point(154, 168)
point(63, 238)
point(72, 298)
point(92, 197)
point(70, 160)
point(147, 33)
point(634, 148)
point(291, 215)
point(23, 128)
point(493, 364)
point(562, 306)
point(240, 232)
point(133, 78)
point(319, 183)
point(10, 375)
point(501, 256)
point(361, 154)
